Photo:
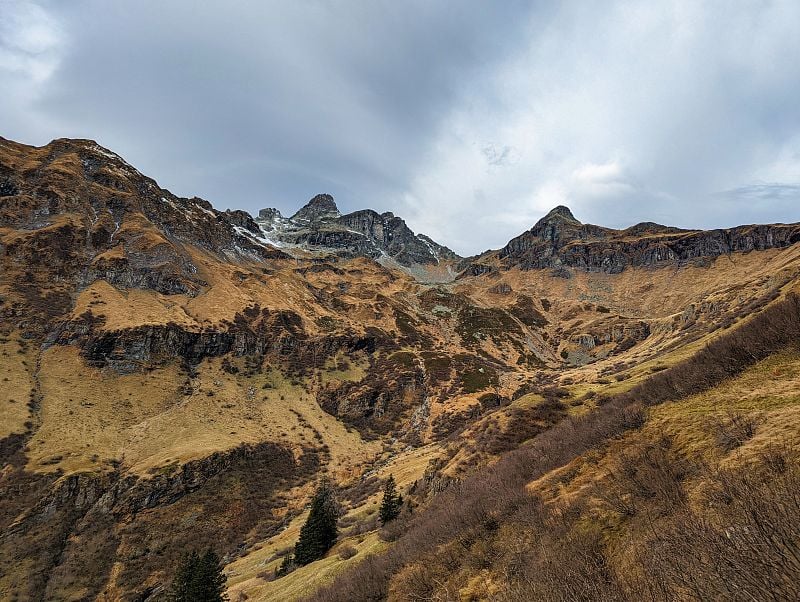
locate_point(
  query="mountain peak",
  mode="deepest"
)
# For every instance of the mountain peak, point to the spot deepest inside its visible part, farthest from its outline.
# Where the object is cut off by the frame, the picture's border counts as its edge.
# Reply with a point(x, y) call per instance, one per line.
point(321, 206)
point(560, 211)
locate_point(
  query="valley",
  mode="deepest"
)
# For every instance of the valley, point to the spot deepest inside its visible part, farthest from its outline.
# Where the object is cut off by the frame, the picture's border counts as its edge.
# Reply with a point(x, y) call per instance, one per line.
point(176, 376)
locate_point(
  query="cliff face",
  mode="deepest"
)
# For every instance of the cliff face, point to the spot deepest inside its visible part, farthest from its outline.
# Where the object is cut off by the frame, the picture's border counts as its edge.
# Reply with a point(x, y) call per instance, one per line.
point(558, 239)
point(276, 337)
point(319, 226)
point(73, 212)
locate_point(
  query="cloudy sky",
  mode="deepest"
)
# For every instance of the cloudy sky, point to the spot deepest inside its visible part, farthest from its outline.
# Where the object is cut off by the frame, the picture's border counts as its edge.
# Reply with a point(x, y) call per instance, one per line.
point(469, 119)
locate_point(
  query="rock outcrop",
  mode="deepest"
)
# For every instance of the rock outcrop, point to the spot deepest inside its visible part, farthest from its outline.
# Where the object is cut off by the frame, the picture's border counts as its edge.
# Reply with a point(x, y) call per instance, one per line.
point(319, 226)
point(558, 239)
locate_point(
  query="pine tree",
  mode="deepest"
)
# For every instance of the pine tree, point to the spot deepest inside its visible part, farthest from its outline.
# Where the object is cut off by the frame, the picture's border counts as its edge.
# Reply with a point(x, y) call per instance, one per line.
point(199, 579)
point(287, 566)
point(183, 583)
point(392, 502)
point(319, 533)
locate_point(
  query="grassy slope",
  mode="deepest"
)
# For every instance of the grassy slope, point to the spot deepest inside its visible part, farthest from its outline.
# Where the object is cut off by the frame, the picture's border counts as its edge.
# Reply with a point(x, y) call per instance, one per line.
point(17, 384)
point(764, 395)
point(91, 418)
point(146, 420)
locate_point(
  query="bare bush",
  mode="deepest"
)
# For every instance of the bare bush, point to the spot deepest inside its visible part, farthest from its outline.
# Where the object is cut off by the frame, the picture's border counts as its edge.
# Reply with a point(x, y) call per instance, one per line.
point(346, 552)
point(566, 561)
point(735, 429)
point(747, 549)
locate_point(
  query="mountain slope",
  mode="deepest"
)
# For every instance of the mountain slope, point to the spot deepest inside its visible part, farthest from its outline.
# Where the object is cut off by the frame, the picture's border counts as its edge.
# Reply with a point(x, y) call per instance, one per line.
point(559, 240)
point(170, 365)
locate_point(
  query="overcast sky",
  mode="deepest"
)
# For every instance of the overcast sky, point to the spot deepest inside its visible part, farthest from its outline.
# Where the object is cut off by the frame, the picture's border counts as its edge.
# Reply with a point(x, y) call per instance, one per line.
point(469, 119)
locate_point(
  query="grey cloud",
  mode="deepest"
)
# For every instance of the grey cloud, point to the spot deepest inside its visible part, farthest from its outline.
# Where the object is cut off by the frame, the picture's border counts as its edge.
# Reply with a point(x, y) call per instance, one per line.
point(249, 104)
point(765, 192)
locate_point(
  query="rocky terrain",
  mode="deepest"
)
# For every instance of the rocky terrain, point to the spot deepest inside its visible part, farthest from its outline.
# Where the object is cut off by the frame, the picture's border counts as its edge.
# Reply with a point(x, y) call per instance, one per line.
point(558, 239)
point(177, 376)
point(319, 227)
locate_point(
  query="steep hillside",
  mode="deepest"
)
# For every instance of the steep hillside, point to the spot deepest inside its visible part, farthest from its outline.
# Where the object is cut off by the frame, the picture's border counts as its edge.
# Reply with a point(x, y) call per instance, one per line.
point(176, 376)
point(682, 488)
point(559, 240)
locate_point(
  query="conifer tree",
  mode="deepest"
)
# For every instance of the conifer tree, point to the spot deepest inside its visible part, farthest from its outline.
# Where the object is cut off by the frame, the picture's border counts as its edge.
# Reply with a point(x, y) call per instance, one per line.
point(199, 579)
point(318, 534)
point(183, 583)
point(392, 502)
point(287, 566)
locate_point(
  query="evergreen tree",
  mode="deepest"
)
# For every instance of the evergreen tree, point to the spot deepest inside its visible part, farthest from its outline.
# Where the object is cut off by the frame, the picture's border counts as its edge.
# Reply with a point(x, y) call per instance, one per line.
point(392, 502)
point(319, 533)
point(183, 583)
point(199, 579)
point(286, 567)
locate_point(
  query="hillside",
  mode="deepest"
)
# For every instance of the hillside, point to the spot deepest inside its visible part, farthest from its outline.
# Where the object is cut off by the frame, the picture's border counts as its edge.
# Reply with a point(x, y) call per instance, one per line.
point(179, 376)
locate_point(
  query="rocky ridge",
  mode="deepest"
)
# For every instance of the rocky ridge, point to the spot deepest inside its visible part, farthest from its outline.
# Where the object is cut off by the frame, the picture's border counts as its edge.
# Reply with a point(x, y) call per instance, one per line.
point(559, 240)
point(319, 226)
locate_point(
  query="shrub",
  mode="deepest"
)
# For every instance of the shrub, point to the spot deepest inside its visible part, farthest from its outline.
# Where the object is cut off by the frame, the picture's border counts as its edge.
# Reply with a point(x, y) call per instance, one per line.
point(346, 552)
point(752, 552)
point(735, 429)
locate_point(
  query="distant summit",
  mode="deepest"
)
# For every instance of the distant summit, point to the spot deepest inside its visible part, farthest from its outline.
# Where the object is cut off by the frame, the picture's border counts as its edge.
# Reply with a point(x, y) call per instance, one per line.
point(561, 211)
point(319, 227)
point(321, 207)
point(559, 240)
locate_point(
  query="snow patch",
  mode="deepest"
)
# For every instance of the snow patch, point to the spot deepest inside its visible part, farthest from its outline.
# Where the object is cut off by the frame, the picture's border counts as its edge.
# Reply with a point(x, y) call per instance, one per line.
point(430, 248)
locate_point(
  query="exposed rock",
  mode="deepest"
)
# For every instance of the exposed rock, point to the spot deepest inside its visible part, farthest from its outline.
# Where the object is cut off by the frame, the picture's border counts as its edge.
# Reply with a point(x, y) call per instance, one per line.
point(278, 335)
point(501, 289)
point(319, 226)
point(559, 240)
point(321, 207)
point(474, 269)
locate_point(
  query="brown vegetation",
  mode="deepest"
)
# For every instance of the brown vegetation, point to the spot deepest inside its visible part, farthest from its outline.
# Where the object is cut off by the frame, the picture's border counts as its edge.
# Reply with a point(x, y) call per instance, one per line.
point(490, 521)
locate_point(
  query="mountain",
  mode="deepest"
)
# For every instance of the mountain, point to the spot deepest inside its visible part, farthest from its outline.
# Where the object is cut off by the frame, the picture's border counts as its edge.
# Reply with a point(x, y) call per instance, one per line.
point(320, 227)
point(559, 240)
point(175, 376)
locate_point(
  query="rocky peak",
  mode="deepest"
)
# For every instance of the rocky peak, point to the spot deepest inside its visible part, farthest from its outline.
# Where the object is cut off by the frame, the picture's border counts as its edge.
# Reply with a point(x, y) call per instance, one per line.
point(321, 207)
point(269, 214)
point(558, 240)
point(319, 226)
point(559, 227)
point(240, 218)
point(558, 213)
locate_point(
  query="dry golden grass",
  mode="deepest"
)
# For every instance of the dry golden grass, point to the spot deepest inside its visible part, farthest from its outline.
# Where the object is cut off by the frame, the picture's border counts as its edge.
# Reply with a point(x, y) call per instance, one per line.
point(145, 420)
point(131, 308)
point(408, 466)
point(243, 574)
point(89, 417)
point(16, 386)
point(769, 392)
